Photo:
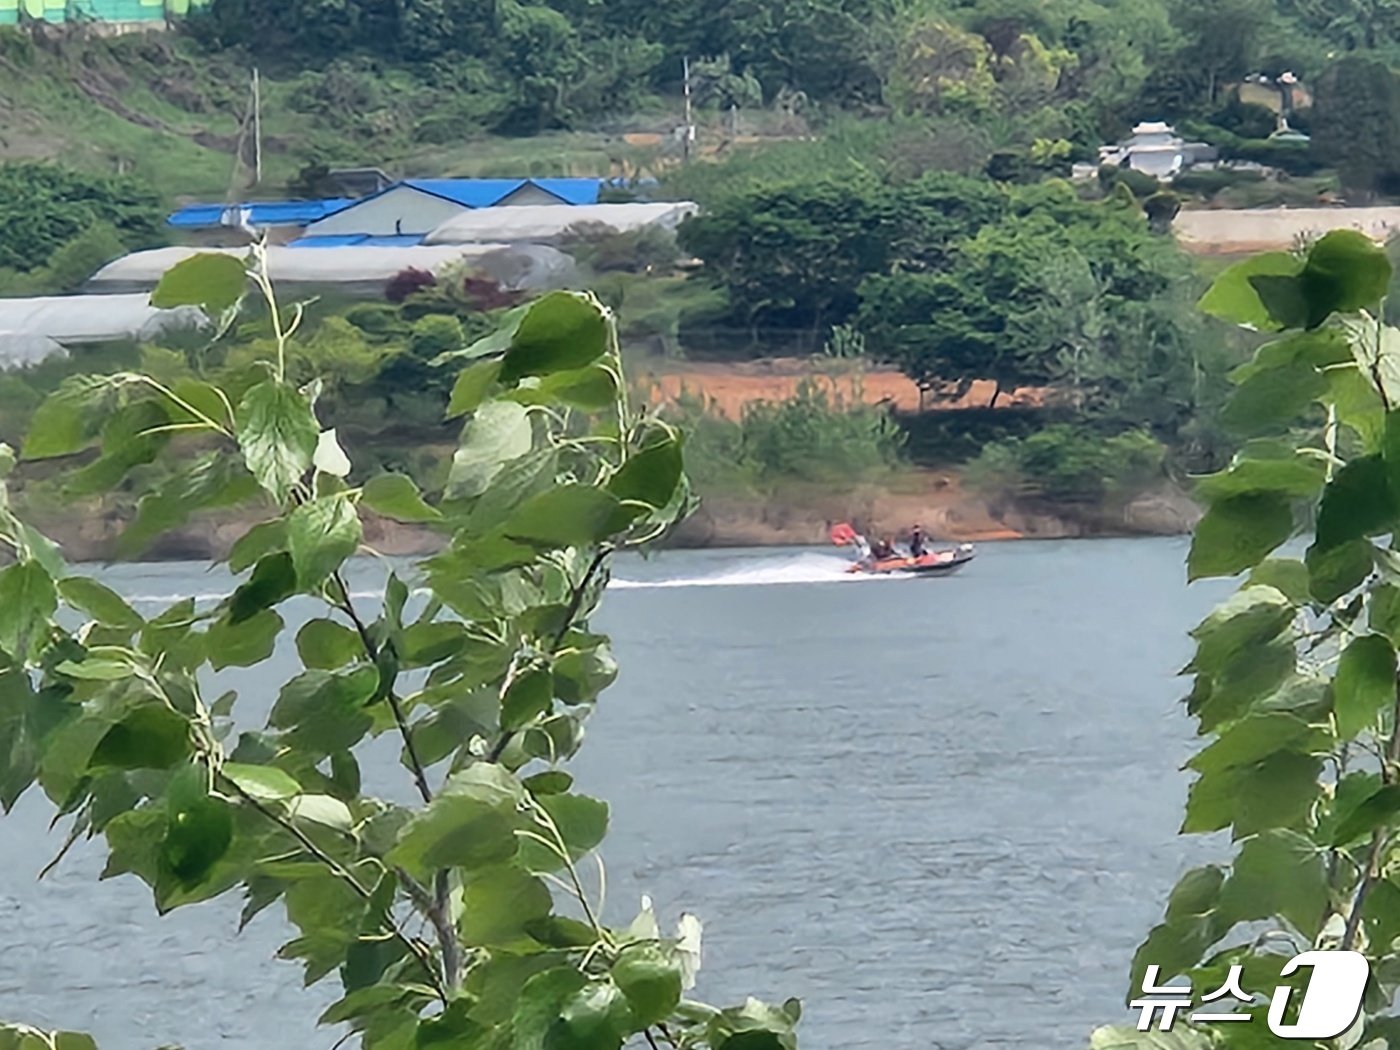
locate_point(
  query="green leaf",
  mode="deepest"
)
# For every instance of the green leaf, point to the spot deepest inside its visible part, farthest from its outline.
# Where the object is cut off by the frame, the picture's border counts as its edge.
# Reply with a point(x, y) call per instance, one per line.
point(529, 696)
point(214, 281)
point(650, 476)
point(130, 437)
point(212, 480)
point(151, 737)
point(571, 515)
point(1338, 570)
point(472, 385)
point(1196, 892)
point(1364, 684)
point(596, 1017)
point(278, 434)
point(1248, 617)
point(273, 580)
point(539, 1003)
point(327, 646)
point(102, 603)
point(1287, 575)
point(28, 599)
point(1174, 947)
point(557, 931)
point(1272, 397)
point(494, 344)
point(498, 902)
point(650, 977)
point(1237, 533)
point(259, 541)
point(1254, 673)
point(1278, 792)
point(581, 821)
point(199, 828)
point(754, 1026)
point(470, 824)
point(1255, 737)
point(1255, 891)
point(321, 809)
point(321, 534)
point(1121, 1037)
point(264, 783)
point(581, 674)
point(1374, 812)
point(1298, 476)
point(1345, 271)
point(592, 389)
point(560, 332)
point(1356, 503)
point(396, 496)
point(325, 713)
point(550, 782)
point(70, 418)
point(498, 433)
point(1232, 297)
point(244, 643)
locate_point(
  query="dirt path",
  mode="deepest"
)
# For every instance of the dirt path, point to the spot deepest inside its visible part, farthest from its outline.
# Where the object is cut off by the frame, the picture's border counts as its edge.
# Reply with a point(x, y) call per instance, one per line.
point(728, 387)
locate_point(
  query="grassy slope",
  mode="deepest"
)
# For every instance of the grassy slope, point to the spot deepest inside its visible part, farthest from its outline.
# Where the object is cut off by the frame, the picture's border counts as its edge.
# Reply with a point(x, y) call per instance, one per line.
point(158, 108)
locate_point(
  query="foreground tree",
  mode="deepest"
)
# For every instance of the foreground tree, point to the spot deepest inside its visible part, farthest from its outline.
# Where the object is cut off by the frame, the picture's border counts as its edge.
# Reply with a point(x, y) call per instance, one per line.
point(1295, 675)
point(486, 675)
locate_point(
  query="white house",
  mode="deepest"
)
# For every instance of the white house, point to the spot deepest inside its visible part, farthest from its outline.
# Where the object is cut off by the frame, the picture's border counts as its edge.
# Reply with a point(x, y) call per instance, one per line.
point(1155, 149)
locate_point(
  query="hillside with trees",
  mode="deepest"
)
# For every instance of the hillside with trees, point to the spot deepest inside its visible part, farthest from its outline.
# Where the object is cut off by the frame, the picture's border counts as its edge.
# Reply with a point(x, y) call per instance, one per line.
point(884, 184)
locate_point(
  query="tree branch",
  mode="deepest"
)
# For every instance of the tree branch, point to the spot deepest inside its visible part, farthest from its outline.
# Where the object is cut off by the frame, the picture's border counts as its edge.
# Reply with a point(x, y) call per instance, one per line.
point(420, 776)
point(570, 611)
point(345, 875)
point(1371, 872)
point(437, 907)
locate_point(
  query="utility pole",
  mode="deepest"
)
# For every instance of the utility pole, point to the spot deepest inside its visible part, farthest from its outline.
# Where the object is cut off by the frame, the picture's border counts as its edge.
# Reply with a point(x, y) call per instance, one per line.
point(257, 126)
point(689, 132)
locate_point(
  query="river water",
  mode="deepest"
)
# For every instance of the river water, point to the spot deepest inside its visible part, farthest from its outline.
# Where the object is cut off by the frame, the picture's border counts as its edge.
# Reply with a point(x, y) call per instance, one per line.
point(941, 812)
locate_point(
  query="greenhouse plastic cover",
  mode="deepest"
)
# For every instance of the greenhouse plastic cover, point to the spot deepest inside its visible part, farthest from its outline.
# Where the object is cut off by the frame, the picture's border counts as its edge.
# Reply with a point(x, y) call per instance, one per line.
point(32, 329)
point(526, 267)
point(546, 222)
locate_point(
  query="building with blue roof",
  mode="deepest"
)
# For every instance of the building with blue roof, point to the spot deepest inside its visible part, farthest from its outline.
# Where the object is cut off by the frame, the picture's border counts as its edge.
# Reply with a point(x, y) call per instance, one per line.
point(413, 207)
point(260, 214)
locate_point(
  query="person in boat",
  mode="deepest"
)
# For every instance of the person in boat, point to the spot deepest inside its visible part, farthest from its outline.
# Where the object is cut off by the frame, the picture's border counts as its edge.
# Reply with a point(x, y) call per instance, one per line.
point(916, 542)
point(880, 550)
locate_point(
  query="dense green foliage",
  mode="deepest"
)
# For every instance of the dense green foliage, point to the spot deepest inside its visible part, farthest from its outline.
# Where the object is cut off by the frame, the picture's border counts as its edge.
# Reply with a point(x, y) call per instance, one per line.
point(1294, 676)
point(45, 207)
point(815, 436)
point(1063, 465)
point(486, 674)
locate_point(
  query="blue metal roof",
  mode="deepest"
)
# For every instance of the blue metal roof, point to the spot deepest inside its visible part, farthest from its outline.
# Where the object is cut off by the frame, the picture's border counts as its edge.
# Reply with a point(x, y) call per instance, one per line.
point(261, 213)
point(483, 193)
point(357, 240)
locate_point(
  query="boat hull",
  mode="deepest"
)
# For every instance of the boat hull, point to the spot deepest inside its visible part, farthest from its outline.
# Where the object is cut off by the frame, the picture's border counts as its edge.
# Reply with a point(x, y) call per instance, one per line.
point(928, 565)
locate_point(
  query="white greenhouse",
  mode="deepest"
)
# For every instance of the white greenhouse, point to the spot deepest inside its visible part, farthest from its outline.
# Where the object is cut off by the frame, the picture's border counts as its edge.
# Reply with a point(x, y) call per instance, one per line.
point(354, 270)
point(542, 223)
point(33, 329)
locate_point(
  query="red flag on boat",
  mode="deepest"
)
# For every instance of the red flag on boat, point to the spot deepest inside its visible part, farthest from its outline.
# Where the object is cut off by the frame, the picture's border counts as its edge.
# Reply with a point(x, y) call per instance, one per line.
point(842, 534)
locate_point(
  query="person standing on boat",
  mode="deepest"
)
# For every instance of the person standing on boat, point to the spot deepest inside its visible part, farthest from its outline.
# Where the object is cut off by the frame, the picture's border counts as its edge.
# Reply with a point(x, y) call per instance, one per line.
point(916, 541)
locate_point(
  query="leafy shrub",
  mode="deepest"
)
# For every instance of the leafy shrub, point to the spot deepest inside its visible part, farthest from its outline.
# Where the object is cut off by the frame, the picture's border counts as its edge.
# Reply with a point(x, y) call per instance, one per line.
point(1139, 184)
point(629, 251)
point(435, 334)
point(1210, 181)
point(408, 282)
point(814, 436)
point(45, 206)
point(1066, 464)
